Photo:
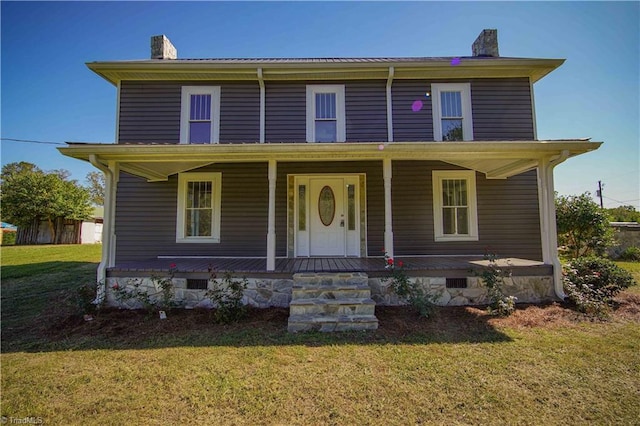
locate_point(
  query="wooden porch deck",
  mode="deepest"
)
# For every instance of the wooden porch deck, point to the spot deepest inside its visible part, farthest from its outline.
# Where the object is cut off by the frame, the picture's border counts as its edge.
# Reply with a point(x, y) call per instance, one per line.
point(442, 266)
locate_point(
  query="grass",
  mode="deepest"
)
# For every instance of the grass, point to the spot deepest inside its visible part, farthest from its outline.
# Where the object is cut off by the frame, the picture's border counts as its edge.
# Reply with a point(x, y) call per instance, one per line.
point(543, 365)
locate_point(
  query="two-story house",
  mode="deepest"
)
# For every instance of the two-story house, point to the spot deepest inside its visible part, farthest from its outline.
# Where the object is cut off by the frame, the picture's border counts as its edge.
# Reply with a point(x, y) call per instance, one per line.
point(280, 168)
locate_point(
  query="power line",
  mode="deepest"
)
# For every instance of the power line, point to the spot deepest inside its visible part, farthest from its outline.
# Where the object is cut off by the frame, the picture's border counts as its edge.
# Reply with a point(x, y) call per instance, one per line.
point(32, 141)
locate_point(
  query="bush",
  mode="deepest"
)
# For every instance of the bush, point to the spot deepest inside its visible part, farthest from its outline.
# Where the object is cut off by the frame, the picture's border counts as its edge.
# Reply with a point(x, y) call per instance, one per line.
point(9, 238)
point(493, 278)
point(591, 283)
point(226, 296)
point(403, 287)
point(583, 227)
point(631, 254)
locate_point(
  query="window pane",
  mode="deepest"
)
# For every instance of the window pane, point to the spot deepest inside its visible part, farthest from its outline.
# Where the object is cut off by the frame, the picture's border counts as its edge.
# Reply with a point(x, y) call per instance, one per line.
point(326, 131)
point(325, 105)
point(451, 104)
point(200, 107)
point(452, 129)
point(302, 208)
point(462, 216)
point(200, 132)
point(198, 222)
point(351, 207)
point(449, 221)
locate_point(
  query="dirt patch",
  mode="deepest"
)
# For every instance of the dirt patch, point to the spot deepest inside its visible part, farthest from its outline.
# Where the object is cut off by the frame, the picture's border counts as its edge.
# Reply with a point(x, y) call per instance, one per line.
point(132, 328)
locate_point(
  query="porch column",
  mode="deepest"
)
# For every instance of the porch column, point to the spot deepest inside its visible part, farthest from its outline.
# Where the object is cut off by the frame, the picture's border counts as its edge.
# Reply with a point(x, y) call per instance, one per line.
point(271, 227)
point(549, 233)
point(112, 175)
point(388, 227)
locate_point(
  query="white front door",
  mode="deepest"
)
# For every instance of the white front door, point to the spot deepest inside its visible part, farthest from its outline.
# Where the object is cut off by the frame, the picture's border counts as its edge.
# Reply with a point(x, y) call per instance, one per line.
point(327, 216)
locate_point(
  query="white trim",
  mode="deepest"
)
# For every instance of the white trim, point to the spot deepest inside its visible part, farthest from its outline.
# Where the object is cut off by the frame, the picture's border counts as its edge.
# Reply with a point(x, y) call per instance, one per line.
point(390, 105)
point(271, 214)
point(262, 105)
point(470, 176)
point(338, 89)
point(216, 182)
point(118, 87)
point(533, 110)
point(388, 210)
point(467, 120)
point(187, 91)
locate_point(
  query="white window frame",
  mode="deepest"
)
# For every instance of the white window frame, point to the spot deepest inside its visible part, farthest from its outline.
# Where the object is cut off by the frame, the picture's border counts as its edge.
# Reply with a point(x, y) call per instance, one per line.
point(470, 176)
point(187, 91)
point(467, 120)
point(338, 89)
point(216, 186)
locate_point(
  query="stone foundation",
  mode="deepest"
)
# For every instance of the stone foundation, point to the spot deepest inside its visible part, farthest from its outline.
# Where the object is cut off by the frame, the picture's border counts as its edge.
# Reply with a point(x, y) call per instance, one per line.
point(267, 293)
point(261, 293)
point(533, 289)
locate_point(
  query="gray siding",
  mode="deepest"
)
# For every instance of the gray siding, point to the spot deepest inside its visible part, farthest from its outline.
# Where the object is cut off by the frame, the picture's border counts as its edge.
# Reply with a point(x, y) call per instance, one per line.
point(508, 218)
point(146, 215)
point(501, 109)
point(150, 112)
point(285, 112)
point(366, 111)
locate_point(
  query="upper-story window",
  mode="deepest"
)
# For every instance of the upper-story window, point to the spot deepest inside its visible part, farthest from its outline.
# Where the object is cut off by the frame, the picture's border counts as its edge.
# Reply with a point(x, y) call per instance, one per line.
point(200, 114)
point(452, 112)
point(325, 113)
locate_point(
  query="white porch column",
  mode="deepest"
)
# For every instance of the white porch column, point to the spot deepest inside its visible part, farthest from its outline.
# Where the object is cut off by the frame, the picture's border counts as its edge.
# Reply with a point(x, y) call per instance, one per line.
point(112, 175)
point(271, 227)
point(549, 233)
point(388, 226)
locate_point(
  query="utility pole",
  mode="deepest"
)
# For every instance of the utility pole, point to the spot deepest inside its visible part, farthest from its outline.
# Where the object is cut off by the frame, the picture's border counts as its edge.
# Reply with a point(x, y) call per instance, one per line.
point(599, 193)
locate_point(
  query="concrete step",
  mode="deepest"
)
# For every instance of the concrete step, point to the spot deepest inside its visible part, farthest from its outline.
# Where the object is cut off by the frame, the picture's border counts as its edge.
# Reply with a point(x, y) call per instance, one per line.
point(331, 292)
point(323, 279)
point(333, 323)
point(328, 307)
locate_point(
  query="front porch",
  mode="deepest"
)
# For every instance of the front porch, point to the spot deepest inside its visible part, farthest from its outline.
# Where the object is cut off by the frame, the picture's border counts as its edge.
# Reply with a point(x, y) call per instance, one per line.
point(285, 268)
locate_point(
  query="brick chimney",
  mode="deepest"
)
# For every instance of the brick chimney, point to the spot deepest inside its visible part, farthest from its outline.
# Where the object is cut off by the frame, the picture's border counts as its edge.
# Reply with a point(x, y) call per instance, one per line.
point(161, 48)
point(486, 44)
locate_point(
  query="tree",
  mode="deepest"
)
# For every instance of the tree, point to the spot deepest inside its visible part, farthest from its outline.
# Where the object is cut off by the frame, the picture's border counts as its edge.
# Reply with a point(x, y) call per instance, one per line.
point(624, 214)
point(583, 226)
point(30, 195)
point(96, 187)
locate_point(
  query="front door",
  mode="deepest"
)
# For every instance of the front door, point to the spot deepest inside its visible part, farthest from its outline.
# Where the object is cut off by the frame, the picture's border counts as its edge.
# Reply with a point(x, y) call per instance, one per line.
point(327, 218)
point(326, 214)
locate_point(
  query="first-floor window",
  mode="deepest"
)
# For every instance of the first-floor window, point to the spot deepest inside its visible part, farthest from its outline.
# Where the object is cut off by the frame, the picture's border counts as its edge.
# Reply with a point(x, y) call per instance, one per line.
point(454, 205)
point(198, 218)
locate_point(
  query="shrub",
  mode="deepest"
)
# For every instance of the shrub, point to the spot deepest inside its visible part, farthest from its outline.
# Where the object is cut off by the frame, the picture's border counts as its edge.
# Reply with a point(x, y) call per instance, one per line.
point(493, 277)
point(81, 299)
point(9, 238)
point(591, 283)
point(631, 254)
point(160, 300)
point(413, 293)
point(226, 296)
point(583, 226)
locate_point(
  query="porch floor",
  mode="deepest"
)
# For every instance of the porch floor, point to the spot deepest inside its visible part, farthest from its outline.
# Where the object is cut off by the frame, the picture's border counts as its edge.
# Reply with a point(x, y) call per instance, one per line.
point(442, 266)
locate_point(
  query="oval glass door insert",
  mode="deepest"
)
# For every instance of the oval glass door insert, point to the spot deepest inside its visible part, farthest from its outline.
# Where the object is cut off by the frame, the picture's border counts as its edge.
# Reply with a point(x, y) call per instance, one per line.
point(326, 205)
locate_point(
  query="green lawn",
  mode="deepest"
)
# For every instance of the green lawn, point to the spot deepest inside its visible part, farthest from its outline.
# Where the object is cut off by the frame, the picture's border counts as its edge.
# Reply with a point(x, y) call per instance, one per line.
point(544, 365)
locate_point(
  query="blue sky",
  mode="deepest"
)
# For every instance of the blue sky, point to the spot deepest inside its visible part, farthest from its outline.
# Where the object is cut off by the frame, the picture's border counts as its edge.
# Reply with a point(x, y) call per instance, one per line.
point(48, 94)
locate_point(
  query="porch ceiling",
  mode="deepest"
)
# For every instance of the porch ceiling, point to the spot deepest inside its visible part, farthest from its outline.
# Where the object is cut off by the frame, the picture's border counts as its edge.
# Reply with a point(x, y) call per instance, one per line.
point(496, 159)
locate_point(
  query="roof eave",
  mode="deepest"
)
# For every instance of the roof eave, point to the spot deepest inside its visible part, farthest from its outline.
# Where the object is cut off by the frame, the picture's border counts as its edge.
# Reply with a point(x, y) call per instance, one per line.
point(207, 70)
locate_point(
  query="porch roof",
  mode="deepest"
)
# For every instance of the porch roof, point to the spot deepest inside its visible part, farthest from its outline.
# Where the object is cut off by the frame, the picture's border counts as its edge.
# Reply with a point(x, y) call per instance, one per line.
point(496, 159)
